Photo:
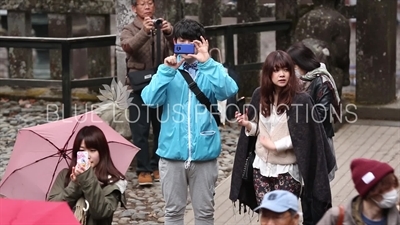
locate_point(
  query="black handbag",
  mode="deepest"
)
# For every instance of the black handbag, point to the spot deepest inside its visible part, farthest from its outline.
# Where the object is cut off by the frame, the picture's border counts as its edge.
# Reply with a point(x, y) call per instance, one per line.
point(247, 174)
point(201, 96)
point(141, 78)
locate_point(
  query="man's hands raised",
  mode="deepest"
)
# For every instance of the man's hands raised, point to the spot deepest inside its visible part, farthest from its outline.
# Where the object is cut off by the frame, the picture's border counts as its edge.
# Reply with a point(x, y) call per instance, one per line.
point(172, 61)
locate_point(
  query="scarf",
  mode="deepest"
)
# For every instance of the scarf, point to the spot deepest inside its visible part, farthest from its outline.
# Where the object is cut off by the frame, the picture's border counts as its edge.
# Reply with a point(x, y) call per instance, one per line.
point(356, 211)
point(326, 76)
point(188, 66)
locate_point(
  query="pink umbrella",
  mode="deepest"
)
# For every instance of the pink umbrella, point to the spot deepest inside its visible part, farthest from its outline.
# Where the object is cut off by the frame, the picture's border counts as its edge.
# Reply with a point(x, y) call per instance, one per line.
point(41, 152)
point(22, 212)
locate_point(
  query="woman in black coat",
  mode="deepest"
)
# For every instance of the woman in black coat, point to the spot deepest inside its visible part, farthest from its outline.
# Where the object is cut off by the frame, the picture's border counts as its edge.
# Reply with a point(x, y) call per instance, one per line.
point(313, 155)
point(321, 86)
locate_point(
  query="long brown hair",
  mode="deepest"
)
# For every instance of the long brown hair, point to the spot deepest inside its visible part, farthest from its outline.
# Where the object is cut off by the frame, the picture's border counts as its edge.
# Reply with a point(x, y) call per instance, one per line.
point(275, 61)
point(95, 139)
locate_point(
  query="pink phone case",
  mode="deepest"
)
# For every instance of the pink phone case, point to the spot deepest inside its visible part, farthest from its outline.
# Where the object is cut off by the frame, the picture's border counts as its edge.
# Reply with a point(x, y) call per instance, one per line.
point(83, 160)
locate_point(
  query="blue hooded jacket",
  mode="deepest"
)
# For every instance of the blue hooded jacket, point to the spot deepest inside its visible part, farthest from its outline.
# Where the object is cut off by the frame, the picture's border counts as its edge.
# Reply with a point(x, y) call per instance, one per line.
point(188, 130)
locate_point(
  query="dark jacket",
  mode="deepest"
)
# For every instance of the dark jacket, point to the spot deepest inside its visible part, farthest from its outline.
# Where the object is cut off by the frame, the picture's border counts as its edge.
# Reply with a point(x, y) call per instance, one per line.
point(311, 148)
point(140, 56)
point(103, 201)
point(352, 215)
point(323, 95)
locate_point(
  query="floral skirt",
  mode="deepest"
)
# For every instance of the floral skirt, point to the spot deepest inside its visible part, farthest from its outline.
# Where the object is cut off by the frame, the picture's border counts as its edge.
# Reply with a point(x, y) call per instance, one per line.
point(263, 185)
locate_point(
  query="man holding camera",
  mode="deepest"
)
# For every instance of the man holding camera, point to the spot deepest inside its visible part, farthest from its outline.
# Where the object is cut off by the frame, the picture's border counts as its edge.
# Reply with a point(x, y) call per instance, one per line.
point(138, 40)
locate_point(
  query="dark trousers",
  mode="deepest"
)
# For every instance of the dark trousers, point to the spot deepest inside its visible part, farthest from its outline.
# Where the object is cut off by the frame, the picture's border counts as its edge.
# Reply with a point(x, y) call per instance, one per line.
point(140, 118)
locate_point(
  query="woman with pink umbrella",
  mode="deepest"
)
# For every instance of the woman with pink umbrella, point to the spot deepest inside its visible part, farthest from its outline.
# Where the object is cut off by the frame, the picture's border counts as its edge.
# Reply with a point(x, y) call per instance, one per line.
point(92, 186)
point(41, 152)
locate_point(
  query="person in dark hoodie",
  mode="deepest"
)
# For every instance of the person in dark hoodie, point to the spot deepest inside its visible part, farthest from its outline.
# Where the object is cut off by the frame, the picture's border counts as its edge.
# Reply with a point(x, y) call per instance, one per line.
point(304, 140)
point(319, 83)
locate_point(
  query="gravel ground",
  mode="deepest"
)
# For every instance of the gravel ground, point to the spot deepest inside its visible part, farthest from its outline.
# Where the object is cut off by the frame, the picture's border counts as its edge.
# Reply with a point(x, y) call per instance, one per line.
point(144, 204)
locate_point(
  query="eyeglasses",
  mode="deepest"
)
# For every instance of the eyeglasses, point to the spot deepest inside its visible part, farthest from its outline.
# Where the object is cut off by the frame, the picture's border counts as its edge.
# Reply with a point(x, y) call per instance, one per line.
point(142, 4)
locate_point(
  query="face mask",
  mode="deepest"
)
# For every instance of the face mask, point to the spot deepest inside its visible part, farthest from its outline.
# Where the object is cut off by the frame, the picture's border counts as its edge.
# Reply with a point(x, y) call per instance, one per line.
point(389, 199)
point(297, 72)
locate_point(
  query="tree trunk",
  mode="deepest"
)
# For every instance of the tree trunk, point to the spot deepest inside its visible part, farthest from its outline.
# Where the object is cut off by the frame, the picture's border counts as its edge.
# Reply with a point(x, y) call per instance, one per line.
point(248, 46)
point(60, 25)
point(210, 14)
point(124, 16)
point(286, 10)
point(20, 59)
point(171, 10)
point(376, 52)
point(98, 59)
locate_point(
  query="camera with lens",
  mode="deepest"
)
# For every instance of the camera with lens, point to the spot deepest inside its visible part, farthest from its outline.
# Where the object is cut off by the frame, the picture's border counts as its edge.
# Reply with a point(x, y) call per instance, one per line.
point(157, 22)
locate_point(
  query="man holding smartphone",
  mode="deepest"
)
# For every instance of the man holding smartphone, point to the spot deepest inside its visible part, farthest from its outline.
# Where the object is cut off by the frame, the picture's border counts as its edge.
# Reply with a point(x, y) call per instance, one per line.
point(138, 41)
point(189, 142)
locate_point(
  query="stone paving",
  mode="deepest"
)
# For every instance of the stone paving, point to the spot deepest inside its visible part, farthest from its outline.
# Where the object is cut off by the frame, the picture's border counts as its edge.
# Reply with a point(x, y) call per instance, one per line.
point(373, 139)
point(144, 205)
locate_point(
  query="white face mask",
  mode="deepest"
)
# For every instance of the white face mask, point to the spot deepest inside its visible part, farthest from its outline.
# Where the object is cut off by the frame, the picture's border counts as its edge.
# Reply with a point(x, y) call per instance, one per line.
point(389, 199)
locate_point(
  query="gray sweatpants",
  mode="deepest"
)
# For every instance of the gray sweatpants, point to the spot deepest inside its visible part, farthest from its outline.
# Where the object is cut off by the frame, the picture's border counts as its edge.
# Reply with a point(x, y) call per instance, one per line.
point(201, 178)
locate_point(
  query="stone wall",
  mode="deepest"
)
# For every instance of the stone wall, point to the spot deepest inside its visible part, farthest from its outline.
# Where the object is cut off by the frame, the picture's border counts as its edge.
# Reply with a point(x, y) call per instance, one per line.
point(60, 6)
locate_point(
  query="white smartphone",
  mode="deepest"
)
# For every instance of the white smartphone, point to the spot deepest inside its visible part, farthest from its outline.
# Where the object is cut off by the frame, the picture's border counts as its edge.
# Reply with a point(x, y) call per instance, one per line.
point(82, 160)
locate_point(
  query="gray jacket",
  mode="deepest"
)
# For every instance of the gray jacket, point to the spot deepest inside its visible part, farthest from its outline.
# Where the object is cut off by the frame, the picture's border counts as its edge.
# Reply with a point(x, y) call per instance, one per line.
point(352, 215)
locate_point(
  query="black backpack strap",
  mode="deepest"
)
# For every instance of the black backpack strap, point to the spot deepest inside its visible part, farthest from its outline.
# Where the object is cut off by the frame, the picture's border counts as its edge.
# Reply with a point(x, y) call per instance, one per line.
point(196, 90)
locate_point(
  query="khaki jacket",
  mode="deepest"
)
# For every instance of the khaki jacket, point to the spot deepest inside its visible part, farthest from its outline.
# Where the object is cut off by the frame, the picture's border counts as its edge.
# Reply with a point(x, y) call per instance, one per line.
point(352, 215)
point(140, 43)
point(101, 209)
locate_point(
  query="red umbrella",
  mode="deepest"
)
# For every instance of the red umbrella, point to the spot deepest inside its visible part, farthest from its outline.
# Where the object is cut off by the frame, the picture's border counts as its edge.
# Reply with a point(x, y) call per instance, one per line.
point(41, 152)
point(23, 212)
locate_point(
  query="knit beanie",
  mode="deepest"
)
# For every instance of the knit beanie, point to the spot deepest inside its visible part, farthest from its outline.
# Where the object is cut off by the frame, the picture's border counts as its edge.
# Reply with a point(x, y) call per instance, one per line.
point(366, 173)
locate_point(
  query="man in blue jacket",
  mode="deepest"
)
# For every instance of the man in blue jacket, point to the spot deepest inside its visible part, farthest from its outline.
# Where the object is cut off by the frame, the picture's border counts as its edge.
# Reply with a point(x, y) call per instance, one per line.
point(189, 142)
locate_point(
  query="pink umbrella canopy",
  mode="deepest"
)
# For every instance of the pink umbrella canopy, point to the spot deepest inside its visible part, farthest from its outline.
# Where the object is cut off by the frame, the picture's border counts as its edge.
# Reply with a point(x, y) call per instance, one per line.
point(41, 152)
point(22, 212)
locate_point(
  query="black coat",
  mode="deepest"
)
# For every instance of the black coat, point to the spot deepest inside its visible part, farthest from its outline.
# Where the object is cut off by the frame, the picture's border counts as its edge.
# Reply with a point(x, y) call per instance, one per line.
point(310, 146)
point(323, 95)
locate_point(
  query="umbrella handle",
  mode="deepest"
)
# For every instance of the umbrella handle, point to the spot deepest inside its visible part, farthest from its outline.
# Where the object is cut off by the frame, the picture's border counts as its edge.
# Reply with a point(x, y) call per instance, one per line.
point(87, 206)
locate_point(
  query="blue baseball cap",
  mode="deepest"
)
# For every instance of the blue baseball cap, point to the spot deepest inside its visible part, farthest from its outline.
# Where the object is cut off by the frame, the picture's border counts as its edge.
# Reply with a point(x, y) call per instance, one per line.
point(279, 201)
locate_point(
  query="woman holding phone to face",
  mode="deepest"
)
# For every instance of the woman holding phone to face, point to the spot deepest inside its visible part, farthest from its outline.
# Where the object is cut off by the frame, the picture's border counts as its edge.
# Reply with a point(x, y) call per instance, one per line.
point(93, 193)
